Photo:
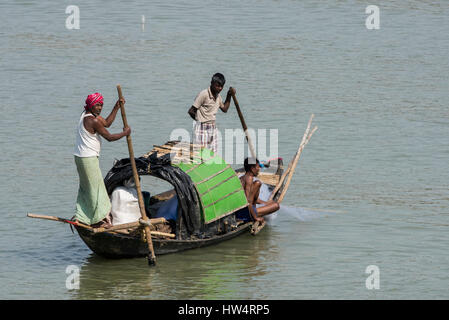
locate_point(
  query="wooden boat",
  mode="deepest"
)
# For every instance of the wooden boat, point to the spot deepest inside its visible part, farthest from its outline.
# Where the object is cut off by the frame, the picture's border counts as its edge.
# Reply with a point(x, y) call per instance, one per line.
point(117, 245)
point(216, 203)
point(121, 244)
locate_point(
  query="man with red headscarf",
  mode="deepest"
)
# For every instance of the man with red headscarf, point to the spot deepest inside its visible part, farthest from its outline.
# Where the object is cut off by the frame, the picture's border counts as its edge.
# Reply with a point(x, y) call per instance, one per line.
point(93, 204)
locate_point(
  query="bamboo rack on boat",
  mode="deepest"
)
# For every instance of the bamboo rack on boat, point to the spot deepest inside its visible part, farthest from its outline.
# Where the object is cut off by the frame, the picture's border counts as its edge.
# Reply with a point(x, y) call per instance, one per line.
point(131, 225)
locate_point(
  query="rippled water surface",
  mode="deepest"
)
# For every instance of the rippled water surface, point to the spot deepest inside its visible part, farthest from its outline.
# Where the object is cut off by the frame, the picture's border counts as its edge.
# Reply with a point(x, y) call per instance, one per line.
point(371, 187)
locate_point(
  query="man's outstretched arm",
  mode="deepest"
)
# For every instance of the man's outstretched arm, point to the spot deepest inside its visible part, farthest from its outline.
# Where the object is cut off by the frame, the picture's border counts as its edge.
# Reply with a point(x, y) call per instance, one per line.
point(99, 127)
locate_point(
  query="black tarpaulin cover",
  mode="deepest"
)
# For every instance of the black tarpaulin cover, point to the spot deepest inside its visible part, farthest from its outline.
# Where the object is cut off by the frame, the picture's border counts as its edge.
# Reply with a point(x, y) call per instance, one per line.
point(189, 223)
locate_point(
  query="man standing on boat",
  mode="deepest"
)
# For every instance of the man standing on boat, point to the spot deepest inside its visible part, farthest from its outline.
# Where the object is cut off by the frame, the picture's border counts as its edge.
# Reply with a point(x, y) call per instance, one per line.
point(204, 110)
point(93, 204)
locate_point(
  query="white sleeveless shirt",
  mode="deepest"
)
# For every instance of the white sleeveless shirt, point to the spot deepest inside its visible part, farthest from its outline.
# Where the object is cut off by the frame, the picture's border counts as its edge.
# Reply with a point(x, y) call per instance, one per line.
point(87, 144)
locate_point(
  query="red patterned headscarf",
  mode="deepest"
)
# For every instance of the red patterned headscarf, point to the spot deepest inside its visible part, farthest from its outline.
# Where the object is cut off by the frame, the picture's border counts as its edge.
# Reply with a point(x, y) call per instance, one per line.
point(92, 100)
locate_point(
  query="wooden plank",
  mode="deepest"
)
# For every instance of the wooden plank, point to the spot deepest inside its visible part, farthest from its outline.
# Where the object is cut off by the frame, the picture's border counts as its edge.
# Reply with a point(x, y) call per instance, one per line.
point(131, 225)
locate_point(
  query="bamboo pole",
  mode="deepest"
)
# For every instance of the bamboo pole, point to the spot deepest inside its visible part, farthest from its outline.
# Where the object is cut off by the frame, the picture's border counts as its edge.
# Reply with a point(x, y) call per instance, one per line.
point(256, 227)
point(305, 140)
point(114, 228)
point(130, 225)
point(245, 128)
point(153, 233)
point(290, 165)
point(284, 191)
point(281, 180)
point(151, 255)
point(154, 221)
point(163, 234)
point(53, 218)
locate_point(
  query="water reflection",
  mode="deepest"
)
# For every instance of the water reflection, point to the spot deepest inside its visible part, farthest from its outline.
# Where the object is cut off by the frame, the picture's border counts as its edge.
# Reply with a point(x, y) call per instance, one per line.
point(216, 272)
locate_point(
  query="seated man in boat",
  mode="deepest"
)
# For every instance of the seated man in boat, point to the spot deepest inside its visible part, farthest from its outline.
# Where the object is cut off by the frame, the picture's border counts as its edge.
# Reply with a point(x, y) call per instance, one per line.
point(252, 185)
point(204, 109)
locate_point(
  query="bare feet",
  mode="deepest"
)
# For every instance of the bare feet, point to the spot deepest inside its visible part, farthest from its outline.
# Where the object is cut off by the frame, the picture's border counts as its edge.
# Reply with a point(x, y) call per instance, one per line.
point(102, 224)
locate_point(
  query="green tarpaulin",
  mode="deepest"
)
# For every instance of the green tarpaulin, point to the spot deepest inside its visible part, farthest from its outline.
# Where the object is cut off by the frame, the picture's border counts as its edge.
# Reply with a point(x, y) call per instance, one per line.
point(217, 184)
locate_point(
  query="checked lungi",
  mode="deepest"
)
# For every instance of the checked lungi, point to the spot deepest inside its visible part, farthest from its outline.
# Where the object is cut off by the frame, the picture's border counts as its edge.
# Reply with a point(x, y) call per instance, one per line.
point(206, 135)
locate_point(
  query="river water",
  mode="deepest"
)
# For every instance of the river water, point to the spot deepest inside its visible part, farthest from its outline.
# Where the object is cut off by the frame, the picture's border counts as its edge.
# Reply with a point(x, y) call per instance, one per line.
point(371, 188)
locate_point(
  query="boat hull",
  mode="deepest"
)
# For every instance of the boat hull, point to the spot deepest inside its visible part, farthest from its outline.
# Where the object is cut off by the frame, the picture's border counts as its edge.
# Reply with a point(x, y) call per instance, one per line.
point(115, 245)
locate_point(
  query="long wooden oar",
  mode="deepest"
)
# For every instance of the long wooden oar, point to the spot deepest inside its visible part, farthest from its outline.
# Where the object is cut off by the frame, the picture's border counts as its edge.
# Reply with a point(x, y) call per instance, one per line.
point(151, 255)
point(245, 128)
point(256, 225)
point(53, 218)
